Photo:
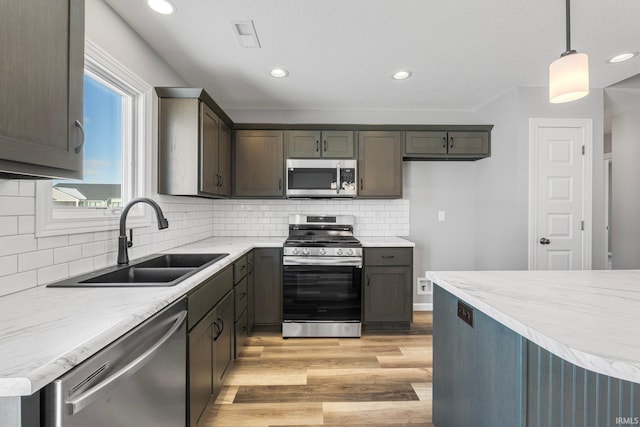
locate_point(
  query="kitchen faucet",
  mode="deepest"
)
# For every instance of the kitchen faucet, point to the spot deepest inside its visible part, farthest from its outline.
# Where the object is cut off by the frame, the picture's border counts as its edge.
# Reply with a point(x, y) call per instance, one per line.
point(123, 242)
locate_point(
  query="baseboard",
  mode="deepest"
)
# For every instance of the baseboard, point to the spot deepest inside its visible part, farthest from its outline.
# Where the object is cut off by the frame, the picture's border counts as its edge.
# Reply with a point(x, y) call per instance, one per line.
point(422, 307)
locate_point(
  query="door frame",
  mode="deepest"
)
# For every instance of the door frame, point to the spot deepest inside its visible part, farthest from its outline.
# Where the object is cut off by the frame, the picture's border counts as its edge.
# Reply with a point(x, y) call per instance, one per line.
point(586, 125)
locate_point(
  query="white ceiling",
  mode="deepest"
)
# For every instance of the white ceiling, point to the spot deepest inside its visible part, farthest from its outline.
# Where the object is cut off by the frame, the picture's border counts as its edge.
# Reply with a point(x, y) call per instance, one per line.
point(341, 53)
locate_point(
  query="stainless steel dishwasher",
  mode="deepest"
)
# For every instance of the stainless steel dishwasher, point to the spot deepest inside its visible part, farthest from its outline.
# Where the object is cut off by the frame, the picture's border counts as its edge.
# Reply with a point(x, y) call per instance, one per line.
point(138, 380)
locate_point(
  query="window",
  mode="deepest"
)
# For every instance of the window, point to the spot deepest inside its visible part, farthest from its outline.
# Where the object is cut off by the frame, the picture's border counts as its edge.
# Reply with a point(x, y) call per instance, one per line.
point(116, 110)
point(104, 139)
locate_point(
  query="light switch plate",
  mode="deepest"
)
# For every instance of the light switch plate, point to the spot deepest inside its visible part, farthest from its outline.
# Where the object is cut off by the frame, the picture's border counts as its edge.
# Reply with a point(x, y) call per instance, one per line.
point(440, 215)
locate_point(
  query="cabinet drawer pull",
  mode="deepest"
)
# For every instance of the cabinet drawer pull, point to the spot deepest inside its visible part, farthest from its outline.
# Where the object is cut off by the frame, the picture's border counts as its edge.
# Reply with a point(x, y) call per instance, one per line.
point(388, 256)
point(79, 147)
point(279, 183)
point(361, 183)
point(243, 266)
point(242, 295)
point(221, 180)
point(368, 280)
point(451, 144)
point(325, 145)
point(317, 145)
point(444, 142)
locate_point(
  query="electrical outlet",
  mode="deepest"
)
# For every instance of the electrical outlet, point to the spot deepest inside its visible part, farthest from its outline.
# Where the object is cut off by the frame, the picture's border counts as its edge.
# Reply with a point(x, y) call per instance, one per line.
point(441, 216)
point(424, 286)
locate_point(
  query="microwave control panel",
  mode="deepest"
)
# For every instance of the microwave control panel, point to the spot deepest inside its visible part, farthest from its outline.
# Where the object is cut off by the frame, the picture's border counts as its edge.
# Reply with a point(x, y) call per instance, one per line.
point(347, 175)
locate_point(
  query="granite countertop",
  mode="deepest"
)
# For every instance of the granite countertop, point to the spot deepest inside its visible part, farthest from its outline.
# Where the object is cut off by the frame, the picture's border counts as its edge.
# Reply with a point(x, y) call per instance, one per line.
point(588, 318)
point(44, 332)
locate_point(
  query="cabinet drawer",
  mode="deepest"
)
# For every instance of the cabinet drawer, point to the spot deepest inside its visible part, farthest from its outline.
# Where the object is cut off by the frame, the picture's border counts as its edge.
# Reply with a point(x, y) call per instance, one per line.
point(388, 256)
point(241, 296)
point(239, 268)
point(200, 301)
point(242, 332)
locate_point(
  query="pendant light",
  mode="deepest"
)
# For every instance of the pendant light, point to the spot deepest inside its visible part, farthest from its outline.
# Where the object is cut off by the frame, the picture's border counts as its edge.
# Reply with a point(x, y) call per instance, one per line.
point(569, 74)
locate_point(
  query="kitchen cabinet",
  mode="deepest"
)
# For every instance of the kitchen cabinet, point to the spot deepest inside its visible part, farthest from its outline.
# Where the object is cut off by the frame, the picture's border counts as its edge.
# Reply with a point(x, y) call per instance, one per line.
point(194, 146)
point(41, 76)
point(304, 144)
point(268, 286)
point(379, 164)
point(259, 163)
point(241, 293)
point(440, 145)
point(387, 291)
point(250, 293)
point(210, 342)
point(478, 371)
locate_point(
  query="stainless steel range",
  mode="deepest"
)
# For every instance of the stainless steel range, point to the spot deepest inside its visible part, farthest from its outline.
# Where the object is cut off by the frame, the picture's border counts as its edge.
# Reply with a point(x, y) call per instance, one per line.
point(322, 277)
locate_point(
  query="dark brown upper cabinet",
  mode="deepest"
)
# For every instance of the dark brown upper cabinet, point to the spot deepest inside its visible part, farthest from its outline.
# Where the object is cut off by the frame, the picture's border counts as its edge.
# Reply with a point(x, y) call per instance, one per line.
point(41, 76)
point(442, 145)
point(259, 163)
point(305, 144)
point(379, 164)
point(194, 146)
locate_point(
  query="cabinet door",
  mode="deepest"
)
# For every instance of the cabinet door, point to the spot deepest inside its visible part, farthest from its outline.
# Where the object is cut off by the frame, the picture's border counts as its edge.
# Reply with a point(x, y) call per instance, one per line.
point(250, 292)
point(224, 159)
point(429, 144)
point(209, 178)
point(41, 76)
point(268, 286)
point(223, 343)
point(380, 164)
point(259, 164)
point(387, 294)
point(338, 145)
point(200, 341)
point(303, 144)
point(469, 144)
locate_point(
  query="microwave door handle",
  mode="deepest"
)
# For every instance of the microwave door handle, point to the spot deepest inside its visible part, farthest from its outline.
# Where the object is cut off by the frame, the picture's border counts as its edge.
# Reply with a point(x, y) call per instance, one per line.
point(338, 183)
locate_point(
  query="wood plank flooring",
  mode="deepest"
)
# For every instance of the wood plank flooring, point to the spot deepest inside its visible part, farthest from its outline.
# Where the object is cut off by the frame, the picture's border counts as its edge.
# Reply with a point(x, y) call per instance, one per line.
point(383, 378)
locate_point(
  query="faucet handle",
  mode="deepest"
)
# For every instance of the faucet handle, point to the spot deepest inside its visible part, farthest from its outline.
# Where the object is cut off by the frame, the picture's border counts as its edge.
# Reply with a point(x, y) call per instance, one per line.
point(130, 241)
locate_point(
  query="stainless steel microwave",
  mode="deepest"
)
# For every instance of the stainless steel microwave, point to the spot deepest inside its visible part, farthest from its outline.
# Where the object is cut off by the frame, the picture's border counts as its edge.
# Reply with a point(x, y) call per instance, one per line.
point(321, 178)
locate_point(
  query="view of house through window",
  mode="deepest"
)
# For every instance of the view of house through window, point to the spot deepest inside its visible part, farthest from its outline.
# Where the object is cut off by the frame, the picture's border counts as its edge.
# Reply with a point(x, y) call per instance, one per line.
point(104, 137)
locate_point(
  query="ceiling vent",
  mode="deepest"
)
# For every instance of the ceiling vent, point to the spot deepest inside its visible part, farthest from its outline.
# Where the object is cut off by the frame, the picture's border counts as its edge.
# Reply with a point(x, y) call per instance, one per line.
point(245, 33)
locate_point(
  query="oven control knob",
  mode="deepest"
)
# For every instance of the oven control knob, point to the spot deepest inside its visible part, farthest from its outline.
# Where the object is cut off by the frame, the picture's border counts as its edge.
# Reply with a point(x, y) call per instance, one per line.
point(322, 251)
point(305, 251)
point(339, 252)
point(294, 251)
point(349, 251)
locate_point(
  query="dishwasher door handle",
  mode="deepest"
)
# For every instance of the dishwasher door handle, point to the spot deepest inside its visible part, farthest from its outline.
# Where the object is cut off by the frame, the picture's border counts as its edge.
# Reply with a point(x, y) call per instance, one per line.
point(85, 399)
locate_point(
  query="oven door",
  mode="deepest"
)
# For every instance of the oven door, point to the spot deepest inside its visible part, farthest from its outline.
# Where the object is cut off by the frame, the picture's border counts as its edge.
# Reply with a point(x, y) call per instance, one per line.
point(322, 293)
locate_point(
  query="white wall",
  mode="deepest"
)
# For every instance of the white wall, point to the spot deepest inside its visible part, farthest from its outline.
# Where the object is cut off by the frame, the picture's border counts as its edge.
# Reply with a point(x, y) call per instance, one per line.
point(625, 133)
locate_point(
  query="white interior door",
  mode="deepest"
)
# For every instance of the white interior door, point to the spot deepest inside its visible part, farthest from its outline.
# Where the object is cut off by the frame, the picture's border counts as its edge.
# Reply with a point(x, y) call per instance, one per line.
point(560, 194)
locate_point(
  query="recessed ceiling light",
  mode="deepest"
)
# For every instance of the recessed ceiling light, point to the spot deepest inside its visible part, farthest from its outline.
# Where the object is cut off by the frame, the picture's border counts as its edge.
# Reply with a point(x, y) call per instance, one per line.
point(401, 75)
point(278, 73)
point(622, 57)
point(164, 7)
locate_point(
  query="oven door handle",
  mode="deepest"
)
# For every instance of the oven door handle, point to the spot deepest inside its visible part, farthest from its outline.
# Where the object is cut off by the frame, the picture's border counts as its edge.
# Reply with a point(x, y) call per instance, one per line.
point(339, 184)
point(323, 261)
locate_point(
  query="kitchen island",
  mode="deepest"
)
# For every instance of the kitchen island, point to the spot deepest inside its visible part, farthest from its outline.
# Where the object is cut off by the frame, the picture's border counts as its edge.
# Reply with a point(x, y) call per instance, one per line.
point(536, 348)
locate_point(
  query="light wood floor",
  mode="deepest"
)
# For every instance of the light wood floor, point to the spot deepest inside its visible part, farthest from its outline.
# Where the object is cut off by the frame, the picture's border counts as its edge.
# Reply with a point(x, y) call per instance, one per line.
point(383, 378)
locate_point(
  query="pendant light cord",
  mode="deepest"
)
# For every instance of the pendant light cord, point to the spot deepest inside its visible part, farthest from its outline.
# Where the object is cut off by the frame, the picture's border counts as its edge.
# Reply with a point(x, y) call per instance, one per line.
point(568, 17)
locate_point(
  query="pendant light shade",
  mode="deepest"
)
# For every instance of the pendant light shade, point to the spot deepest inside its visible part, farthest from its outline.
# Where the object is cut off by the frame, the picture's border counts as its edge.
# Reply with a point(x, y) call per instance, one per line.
point(569, 78)
point(569, 74)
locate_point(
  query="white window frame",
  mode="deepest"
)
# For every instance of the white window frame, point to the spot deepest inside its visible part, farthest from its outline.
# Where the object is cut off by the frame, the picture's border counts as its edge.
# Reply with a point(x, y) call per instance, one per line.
point(137, 120)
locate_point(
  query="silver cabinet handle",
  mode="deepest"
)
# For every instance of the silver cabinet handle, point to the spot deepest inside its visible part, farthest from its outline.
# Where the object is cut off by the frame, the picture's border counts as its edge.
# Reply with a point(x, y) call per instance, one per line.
point(451, 145)
point(79, 147)
point(317, 146)
point(85, 399)
point(444, 142)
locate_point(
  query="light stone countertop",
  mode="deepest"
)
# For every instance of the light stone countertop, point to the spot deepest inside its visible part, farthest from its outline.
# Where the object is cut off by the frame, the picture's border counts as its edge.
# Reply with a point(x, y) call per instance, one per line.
point(385, 242)
point(45, 332)
point(588, 318)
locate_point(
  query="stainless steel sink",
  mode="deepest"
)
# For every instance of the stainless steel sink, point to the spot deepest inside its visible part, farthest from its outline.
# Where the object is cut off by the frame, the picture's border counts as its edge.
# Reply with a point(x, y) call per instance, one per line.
point(157, 270)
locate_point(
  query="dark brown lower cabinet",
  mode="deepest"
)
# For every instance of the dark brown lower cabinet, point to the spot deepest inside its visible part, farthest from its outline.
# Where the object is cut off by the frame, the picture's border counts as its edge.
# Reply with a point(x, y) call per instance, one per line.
point(210, 342)
point(267, 270)
point(387, 291)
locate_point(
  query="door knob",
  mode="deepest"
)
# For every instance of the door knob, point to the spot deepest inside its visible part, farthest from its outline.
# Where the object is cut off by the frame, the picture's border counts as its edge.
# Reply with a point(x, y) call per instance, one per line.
point(544, 241)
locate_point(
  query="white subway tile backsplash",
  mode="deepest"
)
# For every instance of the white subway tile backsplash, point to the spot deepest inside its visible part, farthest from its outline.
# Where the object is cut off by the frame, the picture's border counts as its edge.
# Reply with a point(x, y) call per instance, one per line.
point(53, 273)
point(34, 260)
point(17, 244)
point(10, 205)
point(8, 265)
point(8, 225)
point(18, 282)
point(67, 254)
point(53, 242)
point(26, 224)
point(27, 188)
point(9, 187)
point(81, 266)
